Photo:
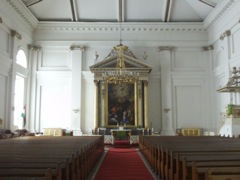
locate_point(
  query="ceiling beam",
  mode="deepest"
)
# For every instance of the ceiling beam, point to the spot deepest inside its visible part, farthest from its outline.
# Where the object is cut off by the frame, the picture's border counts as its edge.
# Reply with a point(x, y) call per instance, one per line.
point(32, 2)
point(74, 10)
point(167, 10)
point(209, 3)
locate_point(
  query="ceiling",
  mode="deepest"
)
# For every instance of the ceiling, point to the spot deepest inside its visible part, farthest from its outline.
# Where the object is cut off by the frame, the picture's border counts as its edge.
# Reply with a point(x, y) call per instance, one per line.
point(121, 10)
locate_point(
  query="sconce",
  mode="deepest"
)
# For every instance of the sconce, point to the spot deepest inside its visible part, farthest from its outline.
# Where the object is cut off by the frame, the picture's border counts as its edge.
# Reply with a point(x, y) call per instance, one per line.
point(76, 110)
point(96, 56)
point(166, 110)
point(145, 56)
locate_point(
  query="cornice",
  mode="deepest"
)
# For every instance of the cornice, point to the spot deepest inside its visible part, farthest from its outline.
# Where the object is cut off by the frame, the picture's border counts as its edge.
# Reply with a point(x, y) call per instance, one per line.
point(219, 11)
point(23, 12)
point(127, 27)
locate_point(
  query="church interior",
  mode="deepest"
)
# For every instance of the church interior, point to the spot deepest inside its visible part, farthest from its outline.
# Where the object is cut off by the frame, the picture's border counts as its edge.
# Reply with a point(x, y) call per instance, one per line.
point(120, 73)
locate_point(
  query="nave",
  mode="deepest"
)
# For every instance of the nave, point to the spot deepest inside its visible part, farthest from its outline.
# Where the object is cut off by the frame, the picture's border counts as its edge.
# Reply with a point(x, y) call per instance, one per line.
point(69, 158)
point(88, 158)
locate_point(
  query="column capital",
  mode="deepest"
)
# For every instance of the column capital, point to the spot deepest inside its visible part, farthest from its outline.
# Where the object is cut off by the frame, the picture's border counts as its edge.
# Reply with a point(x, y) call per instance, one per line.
point(145, 82)
point(96, 81)
point(225, 34)
point(166, 48)
point(35, 48)
point(76, 47)
point(14, 33)
point(207, 48)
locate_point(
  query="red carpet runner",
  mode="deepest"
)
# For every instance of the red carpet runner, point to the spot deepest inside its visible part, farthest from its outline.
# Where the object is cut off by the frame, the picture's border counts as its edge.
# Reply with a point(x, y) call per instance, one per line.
point(124, 164)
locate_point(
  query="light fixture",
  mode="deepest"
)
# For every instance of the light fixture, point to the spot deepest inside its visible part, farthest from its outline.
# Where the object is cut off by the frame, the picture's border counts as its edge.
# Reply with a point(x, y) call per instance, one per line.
point(233, 84)
point(120, 74)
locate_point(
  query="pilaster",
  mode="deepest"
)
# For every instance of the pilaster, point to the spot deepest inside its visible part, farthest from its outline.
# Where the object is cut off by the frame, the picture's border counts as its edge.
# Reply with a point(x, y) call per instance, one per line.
point(14, 44)
point(226, 43)
point(77, 55)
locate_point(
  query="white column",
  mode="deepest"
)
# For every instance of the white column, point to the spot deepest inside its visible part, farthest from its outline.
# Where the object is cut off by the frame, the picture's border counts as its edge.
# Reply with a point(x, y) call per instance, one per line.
point(166, 90)
point(33, 56)
point(77, 52)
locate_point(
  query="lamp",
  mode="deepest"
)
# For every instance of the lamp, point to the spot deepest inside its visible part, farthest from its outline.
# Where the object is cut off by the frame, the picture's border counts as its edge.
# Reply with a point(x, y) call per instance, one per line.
point(120, 74)
point(233, 84)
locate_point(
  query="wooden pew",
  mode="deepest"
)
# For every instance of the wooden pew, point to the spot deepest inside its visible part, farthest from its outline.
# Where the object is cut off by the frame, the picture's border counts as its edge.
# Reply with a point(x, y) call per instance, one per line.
point(199, 169)
point(184, 159)
point(47, 150)
point(47, 174)
point(222, 173)
point(164, 149)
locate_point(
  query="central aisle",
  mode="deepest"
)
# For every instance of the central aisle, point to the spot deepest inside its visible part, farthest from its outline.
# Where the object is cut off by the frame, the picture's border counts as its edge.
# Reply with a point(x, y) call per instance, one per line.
point(124, 164)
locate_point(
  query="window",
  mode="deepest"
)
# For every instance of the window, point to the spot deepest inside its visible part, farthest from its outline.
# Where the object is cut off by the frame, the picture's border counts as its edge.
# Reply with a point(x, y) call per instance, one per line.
point(19, 102)
point(19, 93)
point(21, 58)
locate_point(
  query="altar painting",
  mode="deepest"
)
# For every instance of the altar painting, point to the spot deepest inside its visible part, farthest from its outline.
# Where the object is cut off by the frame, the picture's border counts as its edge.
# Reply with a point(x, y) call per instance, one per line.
point(120, 109)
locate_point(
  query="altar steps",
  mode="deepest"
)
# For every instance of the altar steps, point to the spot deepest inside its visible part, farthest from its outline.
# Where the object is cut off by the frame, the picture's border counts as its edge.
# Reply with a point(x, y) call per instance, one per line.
point(122, 144)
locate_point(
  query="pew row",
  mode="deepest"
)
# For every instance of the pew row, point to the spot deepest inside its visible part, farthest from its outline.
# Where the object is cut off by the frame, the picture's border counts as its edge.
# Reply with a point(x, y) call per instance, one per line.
point(166, 154)
point(60, 158)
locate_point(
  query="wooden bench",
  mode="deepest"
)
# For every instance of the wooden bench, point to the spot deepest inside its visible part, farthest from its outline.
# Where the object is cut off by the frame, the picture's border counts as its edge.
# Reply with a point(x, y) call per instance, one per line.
point(184, 160)
point(199, 169)
point(222, 173)
point(161, 151)
point(75, 157)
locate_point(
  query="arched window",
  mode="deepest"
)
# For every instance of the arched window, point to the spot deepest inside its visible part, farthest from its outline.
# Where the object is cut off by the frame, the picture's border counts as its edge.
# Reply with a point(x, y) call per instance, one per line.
point(20, 88)
point(21, 58)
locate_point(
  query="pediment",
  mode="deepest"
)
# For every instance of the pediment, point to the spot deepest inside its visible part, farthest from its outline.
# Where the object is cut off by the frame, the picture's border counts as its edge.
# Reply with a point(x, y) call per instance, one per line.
point(110, 62)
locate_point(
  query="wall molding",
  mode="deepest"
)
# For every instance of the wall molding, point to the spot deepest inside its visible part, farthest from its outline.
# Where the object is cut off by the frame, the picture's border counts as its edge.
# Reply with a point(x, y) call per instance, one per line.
point(23, 12)
point(5, 65)
point(113, 27)
point(218, 13)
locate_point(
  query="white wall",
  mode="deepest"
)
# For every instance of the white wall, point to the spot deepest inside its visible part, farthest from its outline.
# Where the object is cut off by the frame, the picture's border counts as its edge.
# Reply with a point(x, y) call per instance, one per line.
point(224, 56)
point(15, 33)
point(187, 87)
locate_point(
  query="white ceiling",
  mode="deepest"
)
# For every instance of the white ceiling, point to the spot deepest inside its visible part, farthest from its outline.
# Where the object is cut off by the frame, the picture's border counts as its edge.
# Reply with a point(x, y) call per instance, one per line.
point(121, 10)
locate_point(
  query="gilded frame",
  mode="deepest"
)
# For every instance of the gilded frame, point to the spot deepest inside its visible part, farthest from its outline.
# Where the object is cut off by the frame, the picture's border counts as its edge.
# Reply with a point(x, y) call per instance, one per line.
point(120, 105)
